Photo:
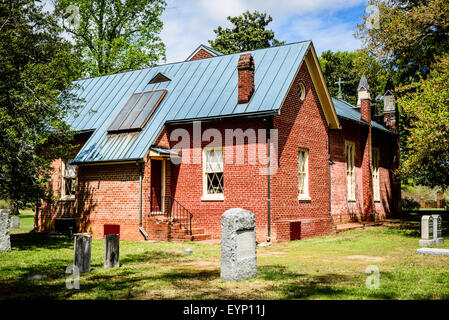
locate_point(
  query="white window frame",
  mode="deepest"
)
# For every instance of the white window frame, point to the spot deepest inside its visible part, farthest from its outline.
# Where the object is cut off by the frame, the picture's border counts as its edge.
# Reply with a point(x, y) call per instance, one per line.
point(376, 176)
point(211, 196)
point(65, 196)
point(350, 170)
point(305, 194)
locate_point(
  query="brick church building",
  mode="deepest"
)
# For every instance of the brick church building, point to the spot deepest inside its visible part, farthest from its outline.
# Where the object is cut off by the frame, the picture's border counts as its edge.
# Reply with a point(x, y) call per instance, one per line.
point(164, 151)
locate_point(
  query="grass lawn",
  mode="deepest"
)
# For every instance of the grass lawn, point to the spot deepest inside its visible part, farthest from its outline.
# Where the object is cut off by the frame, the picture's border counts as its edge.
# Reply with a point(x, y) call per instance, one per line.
point(331, 267)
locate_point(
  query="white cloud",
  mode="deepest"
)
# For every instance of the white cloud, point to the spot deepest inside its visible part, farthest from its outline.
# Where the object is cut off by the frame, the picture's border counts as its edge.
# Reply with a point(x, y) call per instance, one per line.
point(189, 23)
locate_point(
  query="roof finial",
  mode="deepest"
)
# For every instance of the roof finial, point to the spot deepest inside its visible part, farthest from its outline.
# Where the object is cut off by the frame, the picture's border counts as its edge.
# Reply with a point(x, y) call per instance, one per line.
point(339, 82)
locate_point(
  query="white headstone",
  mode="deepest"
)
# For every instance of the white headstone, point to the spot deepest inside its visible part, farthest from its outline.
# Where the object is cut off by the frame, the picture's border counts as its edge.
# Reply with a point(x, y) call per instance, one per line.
point(15, 222)
point(427, 232)
point(238, 245)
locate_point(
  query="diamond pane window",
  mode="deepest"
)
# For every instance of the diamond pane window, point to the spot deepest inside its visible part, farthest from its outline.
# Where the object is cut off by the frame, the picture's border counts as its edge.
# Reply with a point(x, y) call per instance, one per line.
point(137, 111)
point(213, 170)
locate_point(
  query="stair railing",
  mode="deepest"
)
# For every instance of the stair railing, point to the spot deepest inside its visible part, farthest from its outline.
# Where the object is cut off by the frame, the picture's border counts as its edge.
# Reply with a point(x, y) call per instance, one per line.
point(173, 210)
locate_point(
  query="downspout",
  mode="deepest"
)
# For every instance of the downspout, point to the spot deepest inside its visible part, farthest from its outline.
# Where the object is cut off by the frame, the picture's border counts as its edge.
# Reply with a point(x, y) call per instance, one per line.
point(268, 181)
point(139, 167)
point(330, 180)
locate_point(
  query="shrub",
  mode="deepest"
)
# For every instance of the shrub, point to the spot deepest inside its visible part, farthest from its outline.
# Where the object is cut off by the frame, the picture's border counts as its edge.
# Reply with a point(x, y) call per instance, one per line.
point(409, 204)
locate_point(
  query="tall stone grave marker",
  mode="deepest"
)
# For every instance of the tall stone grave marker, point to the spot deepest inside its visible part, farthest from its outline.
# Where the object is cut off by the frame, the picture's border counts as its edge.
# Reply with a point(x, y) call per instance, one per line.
point(82, 252)
point(437, 229)
point(238, 245)
point(5, 241)
point(111, 251)
point(427, 230)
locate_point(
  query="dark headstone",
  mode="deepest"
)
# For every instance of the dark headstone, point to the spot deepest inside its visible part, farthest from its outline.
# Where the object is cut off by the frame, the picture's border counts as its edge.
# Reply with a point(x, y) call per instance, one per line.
point(82, 252)
point(111, 251)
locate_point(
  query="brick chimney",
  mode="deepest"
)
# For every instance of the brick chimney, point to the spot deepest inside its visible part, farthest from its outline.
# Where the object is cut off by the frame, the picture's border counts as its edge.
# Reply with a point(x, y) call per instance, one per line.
point(245, 68)
point(364, 98)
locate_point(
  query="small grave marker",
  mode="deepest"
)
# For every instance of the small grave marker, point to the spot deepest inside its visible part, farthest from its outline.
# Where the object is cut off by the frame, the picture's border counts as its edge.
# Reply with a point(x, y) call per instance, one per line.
point(427, 230)
point(437, 229)
point(14, 222)
point(111, 251)
point(82, 252)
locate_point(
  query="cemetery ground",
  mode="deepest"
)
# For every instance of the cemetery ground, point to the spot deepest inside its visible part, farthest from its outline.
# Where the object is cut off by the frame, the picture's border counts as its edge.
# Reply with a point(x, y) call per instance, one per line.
point(330, 267)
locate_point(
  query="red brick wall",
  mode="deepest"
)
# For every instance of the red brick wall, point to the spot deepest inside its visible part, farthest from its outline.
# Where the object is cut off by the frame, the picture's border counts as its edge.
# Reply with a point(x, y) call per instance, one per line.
point(201, 54)
point(301, 124)
point(342, 210)
point(48, 212)
point(244, 187)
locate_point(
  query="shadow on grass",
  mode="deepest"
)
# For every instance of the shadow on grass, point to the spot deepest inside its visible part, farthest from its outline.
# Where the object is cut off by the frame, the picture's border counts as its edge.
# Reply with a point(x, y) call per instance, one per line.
point(154, 256)
point(35, 240)
point(411, 224)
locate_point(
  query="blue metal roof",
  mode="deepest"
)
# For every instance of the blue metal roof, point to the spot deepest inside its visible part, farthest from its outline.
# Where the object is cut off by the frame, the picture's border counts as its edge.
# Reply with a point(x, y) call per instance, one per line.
point(349, 112)
point(198, 89)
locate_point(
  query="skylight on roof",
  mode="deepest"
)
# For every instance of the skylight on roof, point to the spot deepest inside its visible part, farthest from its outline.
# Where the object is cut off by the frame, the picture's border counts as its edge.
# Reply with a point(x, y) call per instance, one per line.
point(137, 111)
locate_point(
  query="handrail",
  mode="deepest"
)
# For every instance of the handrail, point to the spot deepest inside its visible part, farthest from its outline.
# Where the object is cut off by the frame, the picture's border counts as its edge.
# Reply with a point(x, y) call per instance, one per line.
point(173, 210)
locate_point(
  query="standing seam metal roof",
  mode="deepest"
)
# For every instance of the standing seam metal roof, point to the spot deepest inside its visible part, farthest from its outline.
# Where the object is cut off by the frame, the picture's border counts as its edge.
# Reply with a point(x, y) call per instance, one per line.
point(198, 88)
point(201, 88)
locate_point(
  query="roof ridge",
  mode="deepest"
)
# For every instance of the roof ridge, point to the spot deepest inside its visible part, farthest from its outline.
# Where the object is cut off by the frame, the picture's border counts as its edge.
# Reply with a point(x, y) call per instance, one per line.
point(187, 61)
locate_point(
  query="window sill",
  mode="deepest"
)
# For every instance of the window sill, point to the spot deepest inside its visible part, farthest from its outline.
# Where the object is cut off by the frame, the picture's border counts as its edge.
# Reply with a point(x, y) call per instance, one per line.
point(64, 199)
point(212, 197)
point(304, 198)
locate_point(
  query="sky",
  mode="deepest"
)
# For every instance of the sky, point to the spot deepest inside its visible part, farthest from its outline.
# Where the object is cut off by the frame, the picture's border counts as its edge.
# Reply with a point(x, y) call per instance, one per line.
point(330, 24)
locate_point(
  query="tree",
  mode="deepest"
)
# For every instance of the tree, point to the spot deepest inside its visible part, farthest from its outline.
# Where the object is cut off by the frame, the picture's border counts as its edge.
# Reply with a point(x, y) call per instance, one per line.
point(409, 36)
point(349, 67)
point(426, 104)
point(37, 68)
point(114, 36)
point(248, 33)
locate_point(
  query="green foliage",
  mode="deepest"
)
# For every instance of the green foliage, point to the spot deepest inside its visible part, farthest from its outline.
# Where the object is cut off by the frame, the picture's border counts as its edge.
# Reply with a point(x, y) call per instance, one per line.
point(115, 36)
point(426, 104)
point(350, 66)
point(37, 69)
point(409, 204)
point(248, 33)
point(410, 36)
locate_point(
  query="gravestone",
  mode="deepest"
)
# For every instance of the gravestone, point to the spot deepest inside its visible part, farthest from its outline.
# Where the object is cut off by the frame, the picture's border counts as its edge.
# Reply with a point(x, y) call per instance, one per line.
point(427, 238)
point(433, 251)
point(437, 229)
point(238, 245)
point(14, 222)
point(111, 251)
point(82, 252)
point(5, 241)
